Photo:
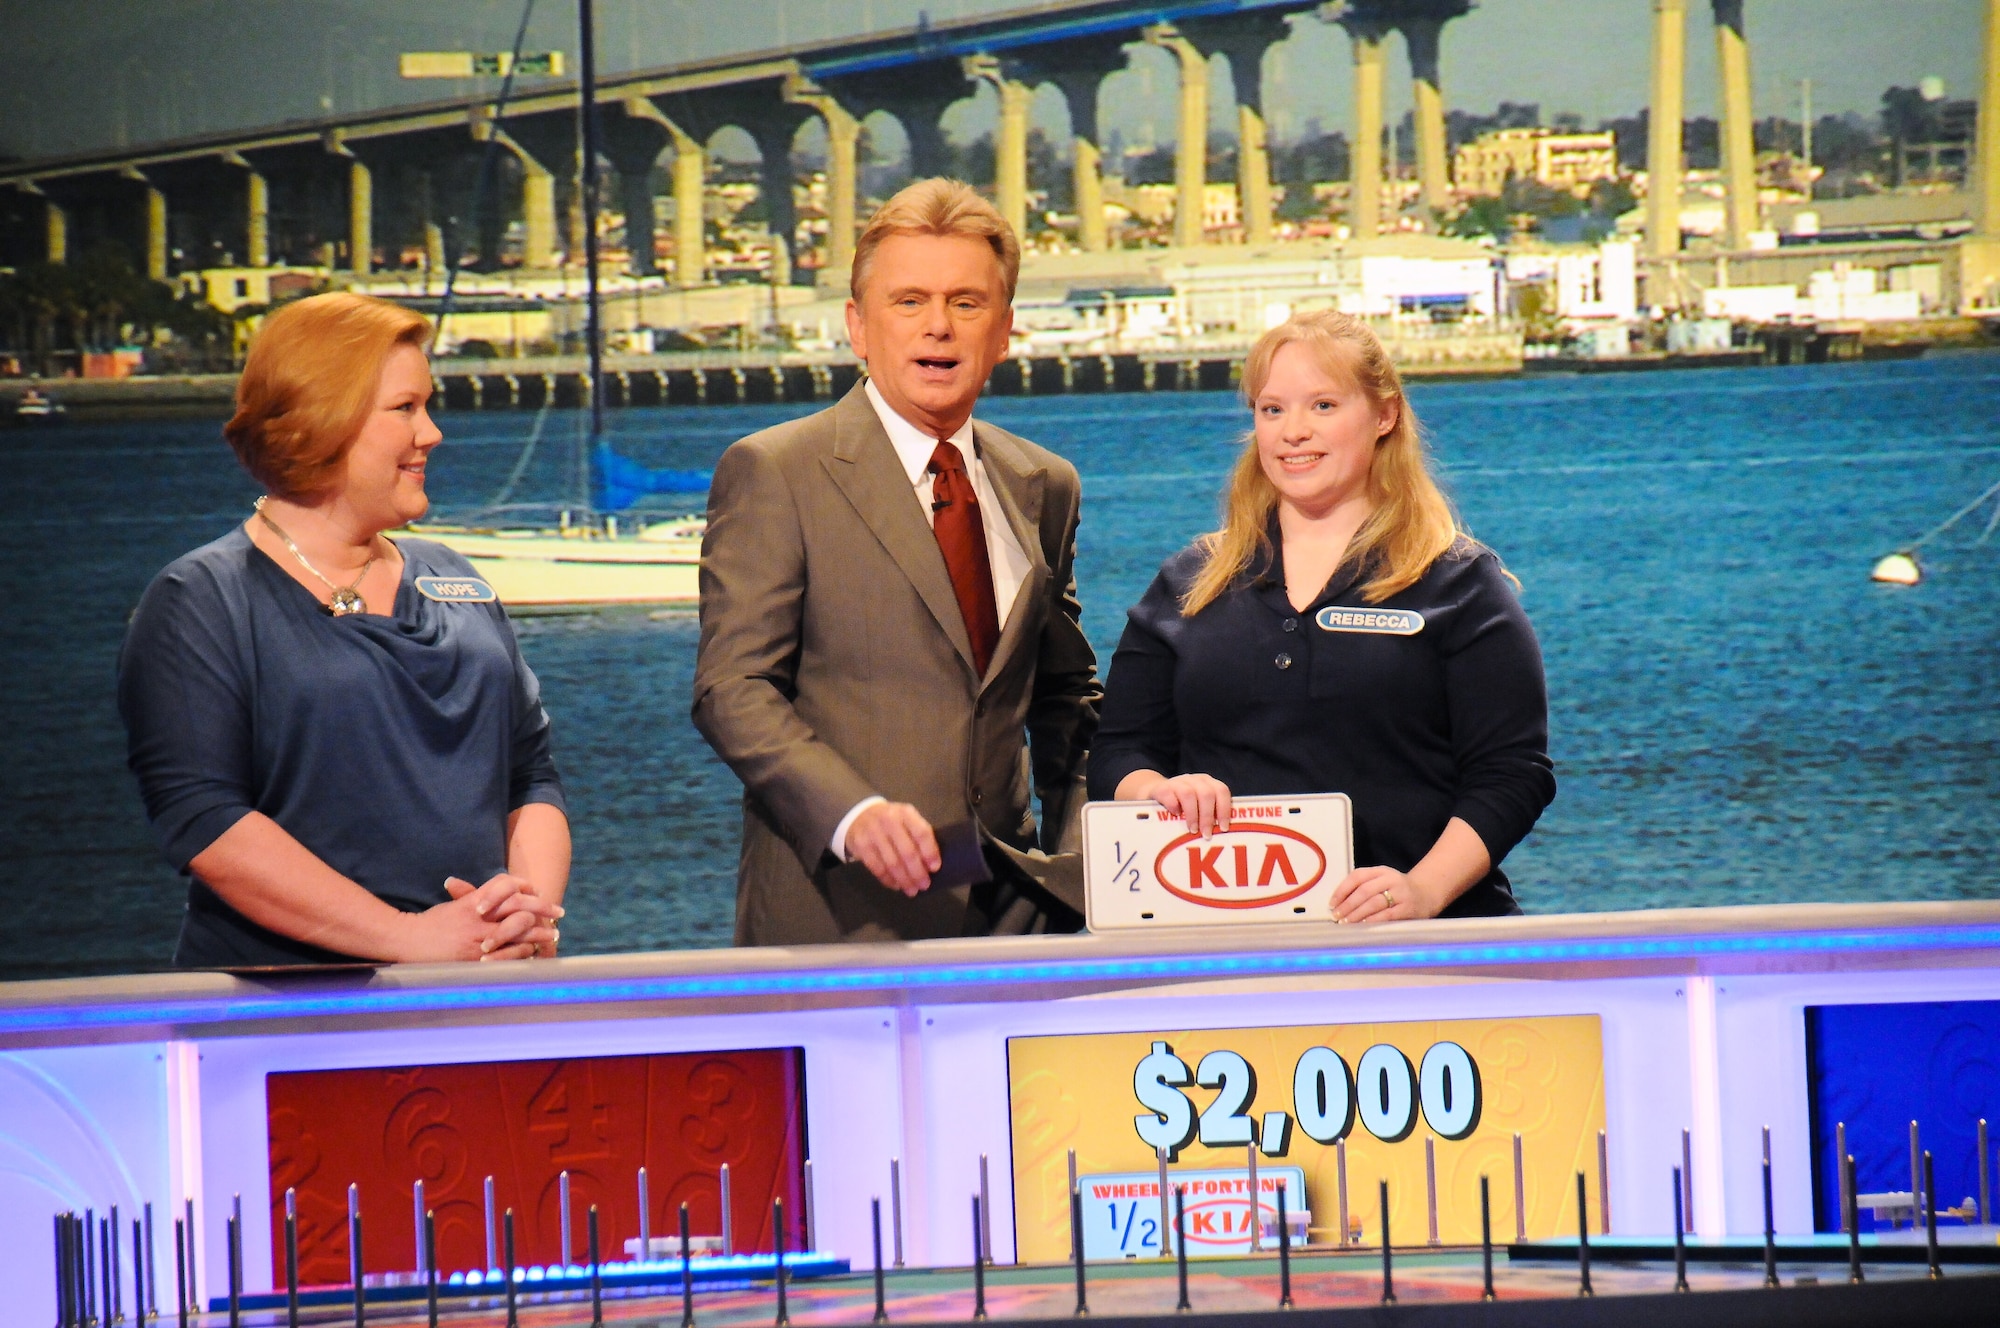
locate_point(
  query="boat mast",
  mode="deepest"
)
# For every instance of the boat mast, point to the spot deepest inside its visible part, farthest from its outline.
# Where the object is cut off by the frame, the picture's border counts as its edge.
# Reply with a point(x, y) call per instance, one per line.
point(593, 331)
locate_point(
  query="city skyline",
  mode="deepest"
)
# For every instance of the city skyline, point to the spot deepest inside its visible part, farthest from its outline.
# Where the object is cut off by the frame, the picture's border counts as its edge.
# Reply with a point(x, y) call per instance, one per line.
point(171, 74)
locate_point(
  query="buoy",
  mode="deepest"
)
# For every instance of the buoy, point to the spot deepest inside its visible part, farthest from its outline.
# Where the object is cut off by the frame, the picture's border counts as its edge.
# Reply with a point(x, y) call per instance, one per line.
point(1898, 569)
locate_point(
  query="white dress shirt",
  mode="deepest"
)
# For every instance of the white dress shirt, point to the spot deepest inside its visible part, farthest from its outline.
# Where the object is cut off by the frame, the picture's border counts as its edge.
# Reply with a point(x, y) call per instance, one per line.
point(1010, 563)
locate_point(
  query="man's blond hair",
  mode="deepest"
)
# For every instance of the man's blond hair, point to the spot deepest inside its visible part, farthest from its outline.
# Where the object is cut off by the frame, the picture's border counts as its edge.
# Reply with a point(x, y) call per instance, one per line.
point(938, 206)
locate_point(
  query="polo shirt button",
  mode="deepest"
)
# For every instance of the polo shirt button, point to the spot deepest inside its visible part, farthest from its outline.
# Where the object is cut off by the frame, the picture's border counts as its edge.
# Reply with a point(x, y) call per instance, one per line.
point(975, 797)
point(1291, 624)
point(1283, 661)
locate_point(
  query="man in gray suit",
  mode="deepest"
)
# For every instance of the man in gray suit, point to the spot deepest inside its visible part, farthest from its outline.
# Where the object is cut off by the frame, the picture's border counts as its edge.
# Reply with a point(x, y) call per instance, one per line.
point(890, 643)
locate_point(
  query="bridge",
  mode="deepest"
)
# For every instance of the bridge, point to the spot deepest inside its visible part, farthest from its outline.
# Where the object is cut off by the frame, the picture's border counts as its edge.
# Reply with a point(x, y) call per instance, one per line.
point(308, 190)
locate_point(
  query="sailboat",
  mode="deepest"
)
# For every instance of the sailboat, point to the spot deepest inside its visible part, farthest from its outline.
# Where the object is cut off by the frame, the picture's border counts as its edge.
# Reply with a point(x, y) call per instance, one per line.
point(588, 559)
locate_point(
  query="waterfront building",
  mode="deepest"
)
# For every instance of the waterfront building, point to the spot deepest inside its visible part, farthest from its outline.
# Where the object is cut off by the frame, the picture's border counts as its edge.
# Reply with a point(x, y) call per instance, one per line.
point(1573, 162)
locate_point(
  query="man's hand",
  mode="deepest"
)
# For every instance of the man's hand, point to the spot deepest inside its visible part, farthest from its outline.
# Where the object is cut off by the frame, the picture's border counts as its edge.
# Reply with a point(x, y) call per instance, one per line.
point(894, 841)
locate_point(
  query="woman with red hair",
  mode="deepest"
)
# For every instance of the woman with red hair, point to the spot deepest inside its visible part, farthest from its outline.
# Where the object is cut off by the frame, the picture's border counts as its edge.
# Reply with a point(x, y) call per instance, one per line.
point(334, 732)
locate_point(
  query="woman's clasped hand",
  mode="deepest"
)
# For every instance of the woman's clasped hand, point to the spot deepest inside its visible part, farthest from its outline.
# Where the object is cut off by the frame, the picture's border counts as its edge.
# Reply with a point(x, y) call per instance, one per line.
point(502, 919)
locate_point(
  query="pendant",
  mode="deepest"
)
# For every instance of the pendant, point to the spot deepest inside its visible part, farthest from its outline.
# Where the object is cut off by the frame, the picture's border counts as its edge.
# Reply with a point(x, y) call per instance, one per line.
point(346, 601)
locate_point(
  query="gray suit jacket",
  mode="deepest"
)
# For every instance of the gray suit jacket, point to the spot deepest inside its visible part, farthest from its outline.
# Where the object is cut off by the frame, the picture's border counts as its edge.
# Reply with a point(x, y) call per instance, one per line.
point(834, 664)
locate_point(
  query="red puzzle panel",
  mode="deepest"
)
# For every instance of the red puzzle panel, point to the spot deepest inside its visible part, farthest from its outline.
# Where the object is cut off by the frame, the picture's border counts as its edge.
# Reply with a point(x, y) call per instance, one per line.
point(600, 1118)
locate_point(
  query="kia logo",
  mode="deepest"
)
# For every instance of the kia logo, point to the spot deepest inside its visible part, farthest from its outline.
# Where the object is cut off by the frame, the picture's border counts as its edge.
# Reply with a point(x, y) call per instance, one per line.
point(1252, 866)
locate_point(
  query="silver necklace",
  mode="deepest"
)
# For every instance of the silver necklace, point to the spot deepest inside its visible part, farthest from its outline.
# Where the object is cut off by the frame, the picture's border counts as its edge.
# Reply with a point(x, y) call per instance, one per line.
point(346, 599)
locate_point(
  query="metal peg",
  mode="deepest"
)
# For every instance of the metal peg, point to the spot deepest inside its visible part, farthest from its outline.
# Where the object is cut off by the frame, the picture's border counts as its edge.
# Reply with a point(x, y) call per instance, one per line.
point(430, 1269)
point(1285, 1251)
point(231, 1231)
point(291, 1258)
point(778, 1257)
point(896, 1208)
point(1930, 1219)
point(1582, 1238)
point(1839, 1165)
point(1256, 1205)
point(1166, 1218)
point(1985, 1193)
point(645, 1220)
point(563, 1216)
point(1431, 1185)
point(978, 1262)
point(1603, 1185)
point(1388, 1268)
point(687, 1273)
point(1854, 1274)
point(985, 1211)
point(1770, 1224)
point(152, 1282)
point(1340, 1180)
point(728, 1216)
point(1680, 1237)
point(1485, 1239)
point(1180, 1246)
point(492, 1230)
point(356, 1259)
point(1520, 1194)
point(812, 1212)
point(596, 1272)
point(1687, 1174)
point(417, 1210)
point(1076, 1246)
point(507, 1273)
point(1916, 1167)
point(881, 1292)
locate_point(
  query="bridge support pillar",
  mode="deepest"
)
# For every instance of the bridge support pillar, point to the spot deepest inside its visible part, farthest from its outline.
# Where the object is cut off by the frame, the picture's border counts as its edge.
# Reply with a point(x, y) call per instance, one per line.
point(634, 142)
point(538, 206)
point(843, 179)
point(57, 234)
point(361, 218)
point(1986, 140)
point(1739, 155)
point(1010, 146)
point(156, 234)
point(1191, 145)
point(1433, 174)
point(1245, 39)
point(1078, 70)
point(690, 241)
point(1365, 158)
point(257, 220)
point(1663, 135)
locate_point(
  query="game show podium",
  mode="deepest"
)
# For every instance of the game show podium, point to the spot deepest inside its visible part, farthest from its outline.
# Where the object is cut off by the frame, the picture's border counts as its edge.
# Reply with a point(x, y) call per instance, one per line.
point(1617, 1045)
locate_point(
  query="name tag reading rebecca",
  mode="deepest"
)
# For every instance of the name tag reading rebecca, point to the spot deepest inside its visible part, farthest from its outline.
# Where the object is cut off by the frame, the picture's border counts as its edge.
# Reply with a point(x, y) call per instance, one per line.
point(455, 589)
point(1387, 622)
point(1278, 862)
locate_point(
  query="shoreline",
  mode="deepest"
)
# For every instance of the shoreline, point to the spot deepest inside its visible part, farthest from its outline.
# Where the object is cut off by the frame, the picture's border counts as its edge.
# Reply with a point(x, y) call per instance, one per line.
point(733, 378)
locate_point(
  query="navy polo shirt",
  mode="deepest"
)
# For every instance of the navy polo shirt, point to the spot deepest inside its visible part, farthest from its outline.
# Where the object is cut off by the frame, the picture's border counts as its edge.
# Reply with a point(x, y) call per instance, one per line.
point(1426, 706)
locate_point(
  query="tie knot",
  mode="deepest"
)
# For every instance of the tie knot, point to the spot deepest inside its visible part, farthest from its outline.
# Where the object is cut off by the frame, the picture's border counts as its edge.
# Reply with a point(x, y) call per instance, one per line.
point(946, 459)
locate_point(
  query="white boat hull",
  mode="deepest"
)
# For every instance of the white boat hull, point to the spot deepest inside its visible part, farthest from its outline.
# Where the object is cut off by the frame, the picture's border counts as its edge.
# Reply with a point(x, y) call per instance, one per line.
point(548, 570)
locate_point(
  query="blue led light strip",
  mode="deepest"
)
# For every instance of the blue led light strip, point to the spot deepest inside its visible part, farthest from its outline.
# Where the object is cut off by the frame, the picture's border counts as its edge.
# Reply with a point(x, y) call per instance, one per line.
point(944, 978)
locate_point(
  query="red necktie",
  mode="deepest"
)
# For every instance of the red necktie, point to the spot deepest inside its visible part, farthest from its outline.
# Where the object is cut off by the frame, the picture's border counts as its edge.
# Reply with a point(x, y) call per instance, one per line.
point(961, 537)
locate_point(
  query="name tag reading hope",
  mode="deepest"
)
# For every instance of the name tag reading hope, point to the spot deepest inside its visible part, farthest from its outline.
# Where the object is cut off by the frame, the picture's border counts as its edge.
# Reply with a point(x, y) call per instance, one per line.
point(455, 589)
point(1387, 622)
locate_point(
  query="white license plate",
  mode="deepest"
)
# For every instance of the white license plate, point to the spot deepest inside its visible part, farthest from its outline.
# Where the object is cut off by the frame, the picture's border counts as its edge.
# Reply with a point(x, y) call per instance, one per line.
point(1279, 861)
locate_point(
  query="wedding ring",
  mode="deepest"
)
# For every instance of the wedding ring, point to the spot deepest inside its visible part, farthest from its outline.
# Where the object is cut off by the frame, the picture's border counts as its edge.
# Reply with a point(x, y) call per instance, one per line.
point(1388, 899)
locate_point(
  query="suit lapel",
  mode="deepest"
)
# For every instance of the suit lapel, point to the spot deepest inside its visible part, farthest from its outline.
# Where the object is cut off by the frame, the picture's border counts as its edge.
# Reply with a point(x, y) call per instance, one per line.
point(1019, 489)
point(865, 468)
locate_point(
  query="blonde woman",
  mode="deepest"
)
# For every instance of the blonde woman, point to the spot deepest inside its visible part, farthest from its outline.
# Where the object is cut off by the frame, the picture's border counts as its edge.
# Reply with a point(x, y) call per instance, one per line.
point(1340, 633)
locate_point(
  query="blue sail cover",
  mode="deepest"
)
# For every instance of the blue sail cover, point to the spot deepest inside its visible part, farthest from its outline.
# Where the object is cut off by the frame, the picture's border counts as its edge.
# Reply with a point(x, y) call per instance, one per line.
point(618, 481)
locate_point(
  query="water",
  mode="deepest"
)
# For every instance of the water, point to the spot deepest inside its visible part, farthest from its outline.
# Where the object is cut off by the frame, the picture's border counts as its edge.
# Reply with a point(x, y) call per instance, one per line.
point(1738, 715)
